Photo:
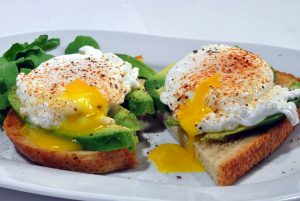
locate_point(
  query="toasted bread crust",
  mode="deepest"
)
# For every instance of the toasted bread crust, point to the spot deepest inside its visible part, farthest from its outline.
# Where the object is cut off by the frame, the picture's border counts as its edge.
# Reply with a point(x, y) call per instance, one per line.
point(254, 149)
point(80, 161)
point(227, 161)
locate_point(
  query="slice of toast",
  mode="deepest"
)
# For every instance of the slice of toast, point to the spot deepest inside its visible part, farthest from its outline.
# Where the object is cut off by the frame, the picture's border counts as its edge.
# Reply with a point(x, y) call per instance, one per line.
point(227, 161)
point(81, 161)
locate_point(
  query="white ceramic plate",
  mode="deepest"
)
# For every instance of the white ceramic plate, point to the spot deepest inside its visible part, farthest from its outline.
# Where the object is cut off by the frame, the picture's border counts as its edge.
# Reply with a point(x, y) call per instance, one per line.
point(276, 178)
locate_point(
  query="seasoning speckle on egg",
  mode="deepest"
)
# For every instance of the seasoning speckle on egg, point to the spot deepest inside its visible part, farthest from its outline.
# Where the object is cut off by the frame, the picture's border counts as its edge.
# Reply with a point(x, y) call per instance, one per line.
point(41, 91)
point(244, 93)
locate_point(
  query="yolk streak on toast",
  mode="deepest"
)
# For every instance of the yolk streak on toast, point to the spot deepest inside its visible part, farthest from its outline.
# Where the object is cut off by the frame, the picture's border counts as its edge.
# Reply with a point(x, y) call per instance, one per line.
point(44, 139)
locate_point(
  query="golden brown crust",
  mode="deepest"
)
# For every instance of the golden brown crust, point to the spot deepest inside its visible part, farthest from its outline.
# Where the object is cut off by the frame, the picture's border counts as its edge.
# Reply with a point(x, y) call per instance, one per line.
point(285, 79)
point(228, 161)
point(258, 148)
point(80, 161)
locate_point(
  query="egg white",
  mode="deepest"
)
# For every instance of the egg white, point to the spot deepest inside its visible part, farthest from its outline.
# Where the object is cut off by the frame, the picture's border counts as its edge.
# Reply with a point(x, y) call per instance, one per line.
point(247, 95)
point(38, 91)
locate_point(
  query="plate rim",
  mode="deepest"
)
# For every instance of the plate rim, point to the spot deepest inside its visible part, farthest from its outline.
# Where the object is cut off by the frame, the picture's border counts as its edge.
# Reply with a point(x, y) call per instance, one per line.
point(63, 192)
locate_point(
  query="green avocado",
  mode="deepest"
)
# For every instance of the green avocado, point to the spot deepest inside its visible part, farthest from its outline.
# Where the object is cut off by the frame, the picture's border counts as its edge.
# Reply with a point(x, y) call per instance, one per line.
point(140, 102)
point(105, 139)
point(14, 100)
point(295, 85)
point(222, 136)
point(171, 121)
point(124, 118)
point(109, 138)
point(145, 72)
point(154, 86)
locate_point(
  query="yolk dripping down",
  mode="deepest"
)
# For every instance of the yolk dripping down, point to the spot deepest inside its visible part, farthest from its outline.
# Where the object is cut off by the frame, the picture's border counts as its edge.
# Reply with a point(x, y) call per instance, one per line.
point(174, 158)
point(91, 108)
point(170, 158)
point(47, 140)
point(90, 112)
point(192, 111)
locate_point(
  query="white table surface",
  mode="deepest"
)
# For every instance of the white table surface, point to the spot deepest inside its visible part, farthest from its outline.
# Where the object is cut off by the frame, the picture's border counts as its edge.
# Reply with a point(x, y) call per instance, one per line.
point(270, 22)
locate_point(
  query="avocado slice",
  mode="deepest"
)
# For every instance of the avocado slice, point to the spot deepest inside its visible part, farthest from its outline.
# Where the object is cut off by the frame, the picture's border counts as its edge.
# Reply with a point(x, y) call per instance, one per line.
point(222, 136)
point(154, 87)
point(105, 139)
point(295, 85)
point(124, 118)
point(14, 100)
point(171, 121)
point(159, 106)
point(140, 102)
point(145, 72)
point(109, 138)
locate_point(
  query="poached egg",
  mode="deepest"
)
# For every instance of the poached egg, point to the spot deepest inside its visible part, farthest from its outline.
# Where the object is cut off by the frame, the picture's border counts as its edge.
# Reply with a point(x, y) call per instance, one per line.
point(219, 87)
point(72, 93)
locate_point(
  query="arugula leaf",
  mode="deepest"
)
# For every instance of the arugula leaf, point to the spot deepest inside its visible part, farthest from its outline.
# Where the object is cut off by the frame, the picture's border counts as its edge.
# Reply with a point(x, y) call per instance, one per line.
point(38, 41)
point(3, 60)
point(9, 72)
point(33, 61)
point(2, 85)
point(27, 52)
point(4, 103)
point(79, 42)
point(11, 53)
point(19, 50)
point(145, 71)
point(1, 118)
point(21, 57)
point(50, 44)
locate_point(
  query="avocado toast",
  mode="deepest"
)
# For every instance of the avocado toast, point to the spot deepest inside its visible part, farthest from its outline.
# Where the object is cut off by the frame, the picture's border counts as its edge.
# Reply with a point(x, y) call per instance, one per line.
point(228, 150)
point(77, 119)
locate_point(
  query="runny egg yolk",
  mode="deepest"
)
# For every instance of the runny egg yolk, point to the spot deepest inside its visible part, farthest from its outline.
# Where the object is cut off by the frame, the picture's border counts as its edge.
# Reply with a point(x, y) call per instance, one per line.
point(193, 110)
point(90, 111)
point(171, 158)
point(174, 158)
point(46, 140)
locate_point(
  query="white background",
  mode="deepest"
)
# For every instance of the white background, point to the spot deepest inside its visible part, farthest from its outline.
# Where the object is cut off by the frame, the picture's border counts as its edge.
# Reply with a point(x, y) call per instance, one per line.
point(270, 22)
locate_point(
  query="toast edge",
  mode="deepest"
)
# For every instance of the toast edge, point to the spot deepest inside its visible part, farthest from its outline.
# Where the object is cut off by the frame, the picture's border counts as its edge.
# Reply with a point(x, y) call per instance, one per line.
point(260, 146)
point(96, 162)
